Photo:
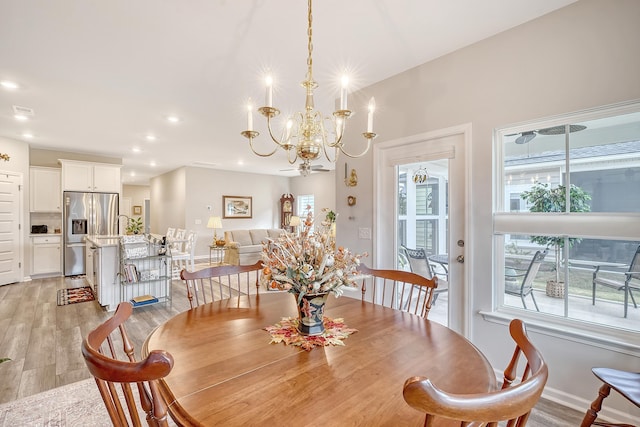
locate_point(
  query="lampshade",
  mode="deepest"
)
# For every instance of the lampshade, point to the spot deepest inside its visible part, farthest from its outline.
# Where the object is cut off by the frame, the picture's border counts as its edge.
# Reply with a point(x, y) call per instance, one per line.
point(294, 221)
point(214, 222)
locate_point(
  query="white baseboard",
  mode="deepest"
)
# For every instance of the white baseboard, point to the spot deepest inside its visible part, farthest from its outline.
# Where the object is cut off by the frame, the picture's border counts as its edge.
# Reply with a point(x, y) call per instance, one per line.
point(580, 404)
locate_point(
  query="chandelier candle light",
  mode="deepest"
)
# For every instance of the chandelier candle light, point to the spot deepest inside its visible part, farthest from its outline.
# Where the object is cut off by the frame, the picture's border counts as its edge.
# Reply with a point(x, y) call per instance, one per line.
point(308, 128)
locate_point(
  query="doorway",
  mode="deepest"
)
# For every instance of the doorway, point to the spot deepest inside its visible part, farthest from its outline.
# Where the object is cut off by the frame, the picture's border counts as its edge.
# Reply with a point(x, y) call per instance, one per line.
point(445, 153)
point(10, 236)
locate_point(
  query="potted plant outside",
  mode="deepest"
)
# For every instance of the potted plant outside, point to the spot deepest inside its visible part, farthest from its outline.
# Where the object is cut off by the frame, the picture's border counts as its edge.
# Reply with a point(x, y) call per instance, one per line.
point(544, 198)
point(134, 226)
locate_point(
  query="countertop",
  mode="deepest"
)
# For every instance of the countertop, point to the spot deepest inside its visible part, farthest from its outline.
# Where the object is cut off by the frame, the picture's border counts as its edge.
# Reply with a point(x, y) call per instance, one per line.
point(104, 241)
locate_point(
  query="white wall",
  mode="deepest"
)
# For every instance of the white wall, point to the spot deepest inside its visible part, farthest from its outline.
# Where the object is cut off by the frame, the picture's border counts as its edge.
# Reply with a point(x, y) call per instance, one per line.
point(579, 57)
point(168, 194)
point(138, 194)
point(180, 199)
point(321, 185)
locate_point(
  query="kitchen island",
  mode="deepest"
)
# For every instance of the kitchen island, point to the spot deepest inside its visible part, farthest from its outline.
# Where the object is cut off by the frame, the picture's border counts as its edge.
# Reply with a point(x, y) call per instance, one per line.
point(102, 260)
point(127, 268)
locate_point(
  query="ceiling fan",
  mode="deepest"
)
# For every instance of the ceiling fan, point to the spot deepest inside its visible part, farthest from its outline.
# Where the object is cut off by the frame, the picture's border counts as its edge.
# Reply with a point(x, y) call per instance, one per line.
point(527, 136)
point(306, 169)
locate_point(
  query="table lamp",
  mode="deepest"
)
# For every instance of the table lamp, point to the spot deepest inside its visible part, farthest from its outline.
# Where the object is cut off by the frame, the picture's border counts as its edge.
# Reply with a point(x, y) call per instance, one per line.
point(214, 222)
point(294, 222)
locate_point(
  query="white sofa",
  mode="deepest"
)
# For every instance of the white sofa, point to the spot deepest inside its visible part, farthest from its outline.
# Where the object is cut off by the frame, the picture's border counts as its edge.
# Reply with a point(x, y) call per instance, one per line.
point(245, 246)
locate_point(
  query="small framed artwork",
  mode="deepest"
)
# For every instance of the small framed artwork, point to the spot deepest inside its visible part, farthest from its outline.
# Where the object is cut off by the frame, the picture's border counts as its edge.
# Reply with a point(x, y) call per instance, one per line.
point(237, 206)
point(137, 210)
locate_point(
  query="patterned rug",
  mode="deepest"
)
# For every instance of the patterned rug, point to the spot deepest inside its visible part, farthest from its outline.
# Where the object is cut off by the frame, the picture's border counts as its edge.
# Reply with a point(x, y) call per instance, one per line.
point(286, 331)
point(75, 295)
point(73, 405)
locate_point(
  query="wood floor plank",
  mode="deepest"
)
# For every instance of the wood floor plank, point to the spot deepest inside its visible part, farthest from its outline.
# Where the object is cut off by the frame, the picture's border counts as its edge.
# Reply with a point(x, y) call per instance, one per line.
point(10, 372)
point(37, 380)
point(42, 347)
point(67, 353)
point(16, 341)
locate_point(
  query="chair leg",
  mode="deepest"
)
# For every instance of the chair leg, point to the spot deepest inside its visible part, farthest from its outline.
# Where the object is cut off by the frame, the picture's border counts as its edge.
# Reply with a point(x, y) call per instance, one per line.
point(524, 304)
point(534, 301)
point(592, 412)
point(633, 299)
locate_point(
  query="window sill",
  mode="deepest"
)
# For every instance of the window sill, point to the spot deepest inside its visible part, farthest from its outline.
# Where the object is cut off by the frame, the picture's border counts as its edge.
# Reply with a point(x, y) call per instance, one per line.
point(584, 333)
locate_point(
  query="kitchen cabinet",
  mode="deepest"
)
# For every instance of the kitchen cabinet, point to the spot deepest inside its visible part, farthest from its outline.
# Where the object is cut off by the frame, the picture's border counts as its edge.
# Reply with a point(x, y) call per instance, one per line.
point(45, 190)
point(90, 177)
point(46, 254)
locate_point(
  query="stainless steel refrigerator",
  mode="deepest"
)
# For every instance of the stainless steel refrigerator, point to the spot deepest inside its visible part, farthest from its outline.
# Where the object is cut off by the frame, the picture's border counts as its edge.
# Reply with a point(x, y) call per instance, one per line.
point(86, 214)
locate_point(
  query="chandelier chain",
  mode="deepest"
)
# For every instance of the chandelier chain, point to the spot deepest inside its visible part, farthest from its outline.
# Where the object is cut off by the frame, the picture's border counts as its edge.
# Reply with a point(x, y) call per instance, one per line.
point(309, 43)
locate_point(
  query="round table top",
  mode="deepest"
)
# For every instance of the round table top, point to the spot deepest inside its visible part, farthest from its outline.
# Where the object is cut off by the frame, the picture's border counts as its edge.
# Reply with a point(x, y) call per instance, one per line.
point(226, 371)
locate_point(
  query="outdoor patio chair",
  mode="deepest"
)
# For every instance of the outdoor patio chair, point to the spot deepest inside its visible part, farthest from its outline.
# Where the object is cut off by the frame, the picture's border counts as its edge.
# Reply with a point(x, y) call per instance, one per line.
point(419, 264)
point(520, 282)
point(623, 284)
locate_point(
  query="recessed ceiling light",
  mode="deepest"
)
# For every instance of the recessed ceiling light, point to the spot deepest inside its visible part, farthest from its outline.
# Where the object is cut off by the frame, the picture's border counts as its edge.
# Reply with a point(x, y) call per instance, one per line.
point(27, 135)
point(136, 150)
point(132, 173)
point(152, 163)
point(173, 119)
point(150, 137)
point(9, 85)
point(21, 117)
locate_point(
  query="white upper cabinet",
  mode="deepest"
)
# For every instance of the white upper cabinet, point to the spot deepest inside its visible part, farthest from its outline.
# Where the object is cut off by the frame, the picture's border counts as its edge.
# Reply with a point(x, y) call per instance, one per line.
point(45, 194)
point(90, 177)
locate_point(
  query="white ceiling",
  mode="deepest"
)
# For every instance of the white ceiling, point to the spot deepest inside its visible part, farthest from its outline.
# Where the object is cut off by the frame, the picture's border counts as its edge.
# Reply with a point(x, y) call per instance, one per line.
point(100, 75)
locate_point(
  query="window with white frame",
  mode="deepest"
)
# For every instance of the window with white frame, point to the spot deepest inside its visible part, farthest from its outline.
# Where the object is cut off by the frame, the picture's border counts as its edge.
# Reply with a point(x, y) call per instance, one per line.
point(305, 205)
point(567, 218)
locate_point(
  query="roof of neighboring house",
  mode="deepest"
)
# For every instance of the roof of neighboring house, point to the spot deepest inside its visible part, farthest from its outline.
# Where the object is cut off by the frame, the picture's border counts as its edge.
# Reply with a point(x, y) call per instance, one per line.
point(616, 149)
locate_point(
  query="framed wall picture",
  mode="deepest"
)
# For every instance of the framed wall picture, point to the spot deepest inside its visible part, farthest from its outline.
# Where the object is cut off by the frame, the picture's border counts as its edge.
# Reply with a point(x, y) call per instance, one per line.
point(137, 210)
point(237, 206)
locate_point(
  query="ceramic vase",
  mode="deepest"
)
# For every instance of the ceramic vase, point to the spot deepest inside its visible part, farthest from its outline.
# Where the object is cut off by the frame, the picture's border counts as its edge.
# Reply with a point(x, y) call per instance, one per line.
point(310, 313)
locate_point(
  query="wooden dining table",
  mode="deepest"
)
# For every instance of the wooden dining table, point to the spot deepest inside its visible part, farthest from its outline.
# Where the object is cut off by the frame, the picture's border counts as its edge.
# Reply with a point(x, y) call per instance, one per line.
point(227, 373)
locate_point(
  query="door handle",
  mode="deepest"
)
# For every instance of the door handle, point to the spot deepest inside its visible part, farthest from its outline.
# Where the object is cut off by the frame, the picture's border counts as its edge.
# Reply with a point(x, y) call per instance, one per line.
point(460, 259)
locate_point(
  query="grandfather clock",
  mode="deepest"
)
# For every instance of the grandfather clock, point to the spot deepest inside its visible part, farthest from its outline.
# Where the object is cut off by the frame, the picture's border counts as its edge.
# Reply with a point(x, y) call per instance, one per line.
point(286, 211)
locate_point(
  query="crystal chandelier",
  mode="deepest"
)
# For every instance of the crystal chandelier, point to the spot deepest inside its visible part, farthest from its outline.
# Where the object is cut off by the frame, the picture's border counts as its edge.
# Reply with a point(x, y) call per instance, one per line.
point(306, 134)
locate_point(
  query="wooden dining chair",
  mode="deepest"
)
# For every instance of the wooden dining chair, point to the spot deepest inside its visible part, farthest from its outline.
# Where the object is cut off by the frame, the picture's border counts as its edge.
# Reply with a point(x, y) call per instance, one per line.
point(624, 382)
point(219, 282)
point(110, 365)
point(512, 403)
point(401, 290)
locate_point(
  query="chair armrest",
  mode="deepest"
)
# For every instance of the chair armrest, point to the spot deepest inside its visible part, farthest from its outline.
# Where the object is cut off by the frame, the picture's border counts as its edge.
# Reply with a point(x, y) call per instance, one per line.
point(233, 245)
point(503, 404)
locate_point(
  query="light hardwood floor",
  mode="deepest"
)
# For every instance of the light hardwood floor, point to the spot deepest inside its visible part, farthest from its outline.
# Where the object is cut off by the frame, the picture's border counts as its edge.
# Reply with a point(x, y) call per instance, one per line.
point(43, 340)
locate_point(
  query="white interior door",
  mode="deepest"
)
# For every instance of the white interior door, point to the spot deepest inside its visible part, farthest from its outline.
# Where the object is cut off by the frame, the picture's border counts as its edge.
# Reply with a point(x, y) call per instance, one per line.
point(450, 146)
point(10, 214)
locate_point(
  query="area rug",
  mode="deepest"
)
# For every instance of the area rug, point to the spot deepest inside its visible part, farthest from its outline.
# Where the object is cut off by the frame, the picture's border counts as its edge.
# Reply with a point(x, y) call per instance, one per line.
point(76, 404)
point(286, 331)
point(73, 405)
point(75, 295)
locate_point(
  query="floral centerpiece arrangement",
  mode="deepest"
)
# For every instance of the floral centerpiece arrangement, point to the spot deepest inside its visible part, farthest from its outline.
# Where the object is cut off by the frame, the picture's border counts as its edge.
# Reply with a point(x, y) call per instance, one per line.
point(310, 266)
